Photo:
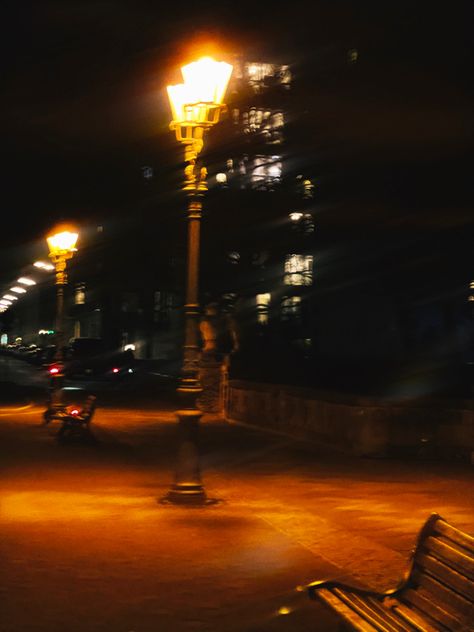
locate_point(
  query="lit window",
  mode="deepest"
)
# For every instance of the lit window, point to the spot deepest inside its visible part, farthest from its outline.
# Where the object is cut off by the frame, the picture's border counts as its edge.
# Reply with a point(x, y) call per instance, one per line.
point(266, 172)
point(352, 55)
point(305, 187)
point(307, 222)
point(471, 285)
point(263, 302)
point(471, 298)
point(265, 122)
point(291, 308)
point(298, 270)
point(80, 294)
point(262, 75)
point(295, 217)
point(308, 189)
point(303, 222)
point(233, 257)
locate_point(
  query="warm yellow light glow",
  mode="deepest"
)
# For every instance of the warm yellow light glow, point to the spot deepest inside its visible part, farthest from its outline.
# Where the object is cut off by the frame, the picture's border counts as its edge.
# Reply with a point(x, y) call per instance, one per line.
point(205, 82)
point(43, 266)
point(26, 281)
point(295, 217)
point(284, 610)
point(63, 242)
point(10, 297)
point(4, 302)
point(18, 290)
point(178, 96)
point(207, 79)
point(45, 506)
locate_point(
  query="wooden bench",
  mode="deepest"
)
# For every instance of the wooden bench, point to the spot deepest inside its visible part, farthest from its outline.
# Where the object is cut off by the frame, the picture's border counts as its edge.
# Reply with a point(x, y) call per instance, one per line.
point(435, 595)
point(70, 424)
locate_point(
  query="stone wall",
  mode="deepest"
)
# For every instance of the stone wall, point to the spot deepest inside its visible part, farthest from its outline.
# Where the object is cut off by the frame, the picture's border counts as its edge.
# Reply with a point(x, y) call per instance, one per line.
point(362, 426)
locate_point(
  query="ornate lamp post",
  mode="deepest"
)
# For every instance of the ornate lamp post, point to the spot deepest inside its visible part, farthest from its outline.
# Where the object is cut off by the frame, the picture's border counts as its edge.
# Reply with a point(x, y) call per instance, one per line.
point(61, 248)
point(196, 105)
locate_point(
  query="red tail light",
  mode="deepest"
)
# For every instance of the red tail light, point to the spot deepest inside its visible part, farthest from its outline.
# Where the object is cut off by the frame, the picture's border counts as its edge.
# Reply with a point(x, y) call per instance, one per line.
point(73, 410)
point(115, 370)
point(54, 370)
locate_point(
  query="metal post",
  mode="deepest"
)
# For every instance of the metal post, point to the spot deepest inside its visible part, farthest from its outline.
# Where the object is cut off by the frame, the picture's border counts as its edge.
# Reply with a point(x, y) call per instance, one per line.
point(61, 280)
point(188, 488)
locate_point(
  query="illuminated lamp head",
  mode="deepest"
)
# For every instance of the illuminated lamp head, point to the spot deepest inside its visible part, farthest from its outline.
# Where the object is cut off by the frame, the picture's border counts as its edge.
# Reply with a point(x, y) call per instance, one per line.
point(62, 242)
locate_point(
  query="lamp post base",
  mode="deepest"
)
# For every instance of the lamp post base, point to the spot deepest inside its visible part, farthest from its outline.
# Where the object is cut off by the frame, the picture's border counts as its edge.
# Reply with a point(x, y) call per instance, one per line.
point(189, 494)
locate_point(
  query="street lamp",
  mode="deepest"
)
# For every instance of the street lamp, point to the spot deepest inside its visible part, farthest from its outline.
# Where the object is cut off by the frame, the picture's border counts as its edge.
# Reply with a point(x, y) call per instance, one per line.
point(62, 246)
point(196, 105)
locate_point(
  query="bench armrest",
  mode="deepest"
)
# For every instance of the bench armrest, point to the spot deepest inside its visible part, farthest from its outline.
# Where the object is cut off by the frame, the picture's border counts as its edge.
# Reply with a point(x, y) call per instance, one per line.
point(313, 587)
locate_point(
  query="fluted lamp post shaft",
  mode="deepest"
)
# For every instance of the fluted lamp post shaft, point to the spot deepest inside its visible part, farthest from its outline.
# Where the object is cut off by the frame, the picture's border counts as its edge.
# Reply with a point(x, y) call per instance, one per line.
point(196, 106)
point(62, 246)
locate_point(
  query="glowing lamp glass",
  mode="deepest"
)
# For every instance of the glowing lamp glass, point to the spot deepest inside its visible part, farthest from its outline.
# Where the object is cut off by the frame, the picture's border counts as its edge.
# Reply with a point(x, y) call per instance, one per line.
point(10, 297)
point(26, 281)
point(18, 290)
point(205, 82)
point(62, 242)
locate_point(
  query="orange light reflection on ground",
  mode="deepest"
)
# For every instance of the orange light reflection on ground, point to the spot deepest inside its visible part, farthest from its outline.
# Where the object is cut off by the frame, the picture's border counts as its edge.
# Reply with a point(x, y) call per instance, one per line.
point(46, 505)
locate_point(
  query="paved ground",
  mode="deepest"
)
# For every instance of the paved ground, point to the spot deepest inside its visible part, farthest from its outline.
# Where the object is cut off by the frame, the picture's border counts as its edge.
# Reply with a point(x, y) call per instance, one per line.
point(85, 546)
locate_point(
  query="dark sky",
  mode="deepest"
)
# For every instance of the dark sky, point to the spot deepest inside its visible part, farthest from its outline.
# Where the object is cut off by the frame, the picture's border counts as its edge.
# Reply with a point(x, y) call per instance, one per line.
point(83, 104)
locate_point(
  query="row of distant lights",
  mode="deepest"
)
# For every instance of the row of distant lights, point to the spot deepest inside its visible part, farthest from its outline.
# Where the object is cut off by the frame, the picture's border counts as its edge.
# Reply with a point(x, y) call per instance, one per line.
point(7, 299)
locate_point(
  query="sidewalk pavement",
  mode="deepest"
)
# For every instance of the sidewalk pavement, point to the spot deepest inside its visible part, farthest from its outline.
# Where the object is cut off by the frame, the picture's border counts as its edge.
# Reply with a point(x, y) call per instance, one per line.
point(87, 547)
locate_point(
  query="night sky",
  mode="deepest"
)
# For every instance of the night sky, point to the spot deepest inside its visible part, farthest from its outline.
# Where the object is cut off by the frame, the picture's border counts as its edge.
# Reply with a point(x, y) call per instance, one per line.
point(84, 108)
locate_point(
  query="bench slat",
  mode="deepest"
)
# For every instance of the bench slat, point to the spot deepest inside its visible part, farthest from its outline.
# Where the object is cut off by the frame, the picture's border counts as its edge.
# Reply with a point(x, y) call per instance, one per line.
point(463, 564)
point(388, 612)
point(357, 622)
point(417, 621)
point(423, 603)
point(360, 607)
point(445, 574)
point(438, 596)
point(447, 598)
point(459, 537)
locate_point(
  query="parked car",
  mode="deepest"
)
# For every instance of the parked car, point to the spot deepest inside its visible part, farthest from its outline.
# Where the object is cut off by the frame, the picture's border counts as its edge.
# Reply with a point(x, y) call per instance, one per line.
point(88, 357)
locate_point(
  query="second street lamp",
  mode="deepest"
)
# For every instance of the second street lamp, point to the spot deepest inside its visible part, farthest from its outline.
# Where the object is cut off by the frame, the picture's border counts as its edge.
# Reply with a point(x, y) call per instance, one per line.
point(62, 246)
point(196, 105)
